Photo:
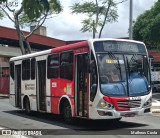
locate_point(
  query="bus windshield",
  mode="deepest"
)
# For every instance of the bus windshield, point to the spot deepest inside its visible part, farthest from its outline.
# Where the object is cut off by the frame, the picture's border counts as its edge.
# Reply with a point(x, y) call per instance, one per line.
point(114, 71)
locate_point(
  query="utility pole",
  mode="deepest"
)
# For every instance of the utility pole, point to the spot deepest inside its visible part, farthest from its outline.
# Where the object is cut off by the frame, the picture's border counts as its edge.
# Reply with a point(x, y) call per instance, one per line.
point(130, 19)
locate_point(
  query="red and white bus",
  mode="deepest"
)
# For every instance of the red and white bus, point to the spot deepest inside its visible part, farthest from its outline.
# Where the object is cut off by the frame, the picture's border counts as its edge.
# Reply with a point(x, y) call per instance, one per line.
point(94, 79)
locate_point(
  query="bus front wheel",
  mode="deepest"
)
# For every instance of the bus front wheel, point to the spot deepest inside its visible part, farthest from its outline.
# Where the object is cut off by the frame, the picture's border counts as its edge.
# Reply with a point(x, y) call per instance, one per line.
point(67, 113)
point(116, 120)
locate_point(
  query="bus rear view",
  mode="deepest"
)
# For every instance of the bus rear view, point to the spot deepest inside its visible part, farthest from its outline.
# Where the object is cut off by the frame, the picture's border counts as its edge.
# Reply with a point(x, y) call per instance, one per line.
point(120, 79)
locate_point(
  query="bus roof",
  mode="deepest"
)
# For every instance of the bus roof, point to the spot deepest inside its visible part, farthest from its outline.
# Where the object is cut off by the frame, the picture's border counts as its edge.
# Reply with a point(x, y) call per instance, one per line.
point(31, 55)
point(125, 40)
point(53, 50)
point(68, 47)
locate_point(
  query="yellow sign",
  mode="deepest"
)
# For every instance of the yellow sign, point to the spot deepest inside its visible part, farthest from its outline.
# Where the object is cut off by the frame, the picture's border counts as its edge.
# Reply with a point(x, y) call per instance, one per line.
point(109, 61)
point(65, 89)
point(69, 89)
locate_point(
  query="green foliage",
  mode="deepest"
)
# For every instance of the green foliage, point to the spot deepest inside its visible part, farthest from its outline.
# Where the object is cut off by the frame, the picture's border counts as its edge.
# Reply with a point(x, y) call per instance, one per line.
point(87, 23)
point(2, 1)
point(1, 14)
point(55, 6)
point(147, 26)
point(31, 12)
point(98, 13)
point(34, 8)
point(86, 7)
point(25, 21)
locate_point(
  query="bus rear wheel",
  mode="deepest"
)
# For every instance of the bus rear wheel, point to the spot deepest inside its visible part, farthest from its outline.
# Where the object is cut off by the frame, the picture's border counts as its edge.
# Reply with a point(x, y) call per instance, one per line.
point(27, 107)
point(67, 113)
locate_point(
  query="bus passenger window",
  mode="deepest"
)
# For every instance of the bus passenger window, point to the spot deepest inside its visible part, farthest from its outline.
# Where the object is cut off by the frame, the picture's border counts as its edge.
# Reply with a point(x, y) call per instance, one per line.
point(53, 66)
point(66, 65)
point(26, 69)
point(33, 68)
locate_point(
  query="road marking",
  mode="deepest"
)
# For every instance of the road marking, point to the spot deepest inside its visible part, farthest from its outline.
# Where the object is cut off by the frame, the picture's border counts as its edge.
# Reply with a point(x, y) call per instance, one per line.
point(18, 136)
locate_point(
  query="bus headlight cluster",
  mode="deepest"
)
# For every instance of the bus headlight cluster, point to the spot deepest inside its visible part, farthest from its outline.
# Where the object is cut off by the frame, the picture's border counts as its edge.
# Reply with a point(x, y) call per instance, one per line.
point(148, 102)
point(105, 105)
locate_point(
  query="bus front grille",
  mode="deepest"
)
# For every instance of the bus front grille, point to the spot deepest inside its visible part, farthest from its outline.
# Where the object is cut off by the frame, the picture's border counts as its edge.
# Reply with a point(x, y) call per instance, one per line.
point(129, 104)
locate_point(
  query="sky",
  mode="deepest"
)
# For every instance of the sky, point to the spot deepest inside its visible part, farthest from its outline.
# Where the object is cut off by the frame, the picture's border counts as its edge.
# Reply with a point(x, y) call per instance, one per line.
point(66, 26)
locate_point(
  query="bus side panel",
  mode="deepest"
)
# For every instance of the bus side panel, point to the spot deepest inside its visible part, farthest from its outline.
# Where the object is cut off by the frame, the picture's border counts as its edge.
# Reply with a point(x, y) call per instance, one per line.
point(12, 92)
point(67, 88)
point(48, 95)
point(29, 88)
point(59, 88)
point(55, 95)
point(55, 105)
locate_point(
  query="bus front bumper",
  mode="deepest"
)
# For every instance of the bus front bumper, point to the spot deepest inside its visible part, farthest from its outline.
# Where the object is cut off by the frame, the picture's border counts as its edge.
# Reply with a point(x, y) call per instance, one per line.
point(113, 114)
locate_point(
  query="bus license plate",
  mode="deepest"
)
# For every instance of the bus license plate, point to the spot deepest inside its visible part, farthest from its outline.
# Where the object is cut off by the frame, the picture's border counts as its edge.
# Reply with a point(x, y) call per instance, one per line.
point(129, 115)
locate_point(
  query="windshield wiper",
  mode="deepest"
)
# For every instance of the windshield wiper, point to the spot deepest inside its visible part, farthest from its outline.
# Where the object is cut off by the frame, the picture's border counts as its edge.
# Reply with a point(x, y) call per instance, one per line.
point(112, 56)
point(128, 67)
point(133, 59)
point(127, 73)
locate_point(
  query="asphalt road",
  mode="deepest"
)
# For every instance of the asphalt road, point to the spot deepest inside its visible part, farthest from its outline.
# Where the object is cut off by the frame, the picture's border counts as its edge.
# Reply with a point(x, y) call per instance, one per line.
point(13, 118)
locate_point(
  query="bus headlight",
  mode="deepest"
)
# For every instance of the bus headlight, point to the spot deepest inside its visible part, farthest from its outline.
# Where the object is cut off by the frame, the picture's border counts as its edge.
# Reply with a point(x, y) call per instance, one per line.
point(148, 102)
point(105, 105)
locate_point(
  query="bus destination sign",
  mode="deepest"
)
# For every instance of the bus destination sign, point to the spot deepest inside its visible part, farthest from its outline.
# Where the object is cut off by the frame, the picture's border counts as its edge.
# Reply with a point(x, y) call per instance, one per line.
point(118, 46)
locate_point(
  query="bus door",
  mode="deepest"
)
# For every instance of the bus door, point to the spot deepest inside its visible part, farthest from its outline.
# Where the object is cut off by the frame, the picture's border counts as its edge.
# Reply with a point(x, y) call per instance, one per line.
point(81, 90)
point(18, 85)
point(41, 88)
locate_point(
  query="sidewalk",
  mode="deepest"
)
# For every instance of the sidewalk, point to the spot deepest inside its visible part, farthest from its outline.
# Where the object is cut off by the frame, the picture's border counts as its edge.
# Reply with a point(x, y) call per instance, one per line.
point(155, 106)
point(156, 102)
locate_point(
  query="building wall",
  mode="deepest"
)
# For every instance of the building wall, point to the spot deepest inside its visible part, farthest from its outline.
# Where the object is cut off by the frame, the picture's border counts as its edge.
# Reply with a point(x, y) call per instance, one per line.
point(6, 53)
point(155, 55)
point(4, 75)
point(9, 51)
point(9, 37)
point(40, 31)
point(4, 66)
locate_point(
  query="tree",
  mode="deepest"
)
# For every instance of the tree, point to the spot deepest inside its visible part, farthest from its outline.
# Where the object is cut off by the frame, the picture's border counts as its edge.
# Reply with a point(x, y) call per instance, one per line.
point(31, 12)
point(147, 27)
point(99, 13)
point(1, 15)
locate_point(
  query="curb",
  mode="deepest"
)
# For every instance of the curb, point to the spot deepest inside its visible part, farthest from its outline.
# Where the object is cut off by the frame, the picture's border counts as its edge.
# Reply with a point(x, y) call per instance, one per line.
point(4, 95)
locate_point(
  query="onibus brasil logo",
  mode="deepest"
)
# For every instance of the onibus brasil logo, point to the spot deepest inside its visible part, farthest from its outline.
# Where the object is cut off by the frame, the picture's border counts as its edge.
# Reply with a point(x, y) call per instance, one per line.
point(10, 4)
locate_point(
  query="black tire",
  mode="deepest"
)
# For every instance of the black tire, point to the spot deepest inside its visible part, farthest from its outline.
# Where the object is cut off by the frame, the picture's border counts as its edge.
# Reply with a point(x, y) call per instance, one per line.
point(116, 120)
point(27, 107)
point(67, 113)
